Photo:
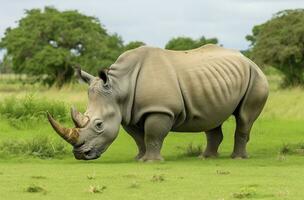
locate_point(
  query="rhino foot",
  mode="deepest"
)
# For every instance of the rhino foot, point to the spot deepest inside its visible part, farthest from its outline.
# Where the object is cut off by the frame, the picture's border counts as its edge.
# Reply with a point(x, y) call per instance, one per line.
point(139, 156)
point(209, 155)
point(146, 158)
point(239, 155)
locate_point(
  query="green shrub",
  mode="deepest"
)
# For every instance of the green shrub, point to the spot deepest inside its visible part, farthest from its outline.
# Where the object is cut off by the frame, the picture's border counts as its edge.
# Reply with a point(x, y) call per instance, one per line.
point(158, 178)
point(20, 111)
point(287, 149)
point(39, 146)
point(191, 150)
point(245, 193)
point(35, 189)
point(97, 188)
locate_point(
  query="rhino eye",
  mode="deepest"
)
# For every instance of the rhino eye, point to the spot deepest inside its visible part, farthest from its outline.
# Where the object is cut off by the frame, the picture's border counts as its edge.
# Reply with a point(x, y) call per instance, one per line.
point(99, 126)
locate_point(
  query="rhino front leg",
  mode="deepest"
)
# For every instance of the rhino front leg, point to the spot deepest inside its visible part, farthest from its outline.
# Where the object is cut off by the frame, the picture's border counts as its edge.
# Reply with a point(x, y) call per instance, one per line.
point(138, 135)
point(157, 126)
point(214, 139)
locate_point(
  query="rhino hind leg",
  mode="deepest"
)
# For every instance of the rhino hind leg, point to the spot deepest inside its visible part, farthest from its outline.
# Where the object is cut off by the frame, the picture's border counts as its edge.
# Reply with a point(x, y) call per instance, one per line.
point(249, 109)
point(138, 135)
point(214, 139)
point(157, 126)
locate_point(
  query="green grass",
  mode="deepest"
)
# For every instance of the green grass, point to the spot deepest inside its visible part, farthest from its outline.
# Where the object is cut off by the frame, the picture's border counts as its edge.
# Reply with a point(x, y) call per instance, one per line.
point(190, 178)
point(267, 173)
point(274, 170)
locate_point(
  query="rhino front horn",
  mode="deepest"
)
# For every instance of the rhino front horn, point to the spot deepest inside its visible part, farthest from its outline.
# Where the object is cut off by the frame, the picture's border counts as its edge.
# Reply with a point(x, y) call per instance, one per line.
point(70, 135)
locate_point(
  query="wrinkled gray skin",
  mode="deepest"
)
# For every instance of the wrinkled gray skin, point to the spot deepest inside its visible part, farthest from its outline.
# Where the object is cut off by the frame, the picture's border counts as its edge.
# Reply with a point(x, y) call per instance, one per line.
point(151, 91)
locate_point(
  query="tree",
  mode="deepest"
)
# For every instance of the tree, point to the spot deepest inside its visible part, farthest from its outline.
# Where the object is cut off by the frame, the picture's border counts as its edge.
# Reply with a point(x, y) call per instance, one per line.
point(48, 43)
point(186, 43)
point(1, 67)
point(133, 45)
point(6, 65)
point(280, 42)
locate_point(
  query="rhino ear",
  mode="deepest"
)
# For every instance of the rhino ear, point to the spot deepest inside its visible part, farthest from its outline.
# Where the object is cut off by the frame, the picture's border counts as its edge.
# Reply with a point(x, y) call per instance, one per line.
point(103, 75)
point(86, 77)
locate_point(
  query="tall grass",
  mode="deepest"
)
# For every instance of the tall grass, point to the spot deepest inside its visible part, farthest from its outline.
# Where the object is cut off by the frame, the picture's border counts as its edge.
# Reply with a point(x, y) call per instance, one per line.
point(292, 149)
point(192, 150)
point(30, 110)
point(39, 146)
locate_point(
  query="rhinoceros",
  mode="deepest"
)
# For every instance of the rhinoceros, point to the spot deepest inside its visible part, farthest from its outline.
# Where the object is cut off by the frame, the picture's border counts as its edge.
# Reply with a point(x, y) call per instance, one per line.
point(151, 91)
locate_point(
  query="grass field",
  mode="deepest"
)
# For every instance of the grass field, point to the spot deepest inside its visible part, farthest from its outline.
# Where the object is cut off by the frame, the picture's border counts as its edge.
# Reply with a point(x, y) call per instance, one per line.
point(273, 171)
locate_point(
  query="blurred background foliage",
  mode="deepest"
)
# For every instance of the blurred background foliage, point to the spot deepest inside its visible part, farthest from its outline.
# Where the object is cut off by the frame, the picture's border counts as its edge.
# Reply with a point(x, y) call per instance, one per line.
point(48, 43)
point(279, 42)
point(186, 43)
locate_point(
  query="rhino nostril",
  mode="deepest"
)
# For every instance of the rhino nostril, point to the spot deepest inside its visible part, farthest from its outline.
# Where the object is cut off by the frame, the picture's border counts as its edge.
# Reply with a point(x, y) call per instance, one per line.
point(86, 153)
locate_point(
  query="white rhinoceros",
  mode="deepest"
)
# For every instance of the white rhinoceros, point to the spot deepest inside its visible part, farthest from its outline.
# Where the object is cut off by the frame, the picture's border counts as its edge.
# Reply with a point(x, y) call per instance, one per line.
point(151, 91)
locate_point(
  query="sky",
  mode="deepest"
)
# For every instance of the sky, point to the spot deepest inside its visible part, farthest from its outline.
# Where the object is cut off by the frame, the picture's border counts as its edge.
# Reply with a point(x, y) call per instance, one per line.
point(155, 22)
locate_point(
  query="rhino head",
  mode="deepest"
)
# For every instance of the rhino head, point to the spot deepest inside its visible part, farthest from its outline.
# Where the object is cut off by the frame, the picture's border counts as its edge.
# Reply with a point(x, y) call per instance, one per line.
point(97, 128)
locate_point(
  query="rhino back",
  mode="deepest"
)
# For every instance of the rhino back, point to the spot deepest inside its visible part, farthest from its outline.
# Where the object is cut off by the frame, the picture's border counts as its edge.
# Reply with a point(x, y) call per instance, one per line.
point(199, 88)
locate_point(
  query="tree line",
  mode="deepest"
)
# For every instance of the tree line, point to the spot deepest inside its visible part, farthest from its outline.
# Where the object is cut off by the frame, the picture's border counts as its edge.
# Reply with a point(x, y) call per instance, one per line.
point(48, 43)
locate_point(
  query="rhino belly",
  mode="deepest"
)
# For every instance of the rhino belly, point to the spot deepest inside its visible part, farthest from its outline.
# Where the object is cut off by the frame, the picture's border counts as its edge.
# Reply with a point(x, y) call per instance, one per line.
point(206, 119)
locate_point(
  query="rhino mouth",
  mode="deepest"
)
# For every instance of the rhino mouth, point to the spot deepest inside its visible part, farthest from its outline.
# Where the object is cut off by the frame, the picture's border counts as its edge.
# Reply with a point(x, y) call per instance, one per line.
point(87, 153)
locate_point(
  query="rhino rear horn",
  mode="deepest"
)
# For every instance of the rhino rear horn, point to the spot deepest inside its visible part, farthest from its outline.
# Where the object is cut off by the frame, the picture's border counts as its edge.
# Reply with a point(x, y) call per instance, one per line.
point(79, 119)
point(70, 135)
